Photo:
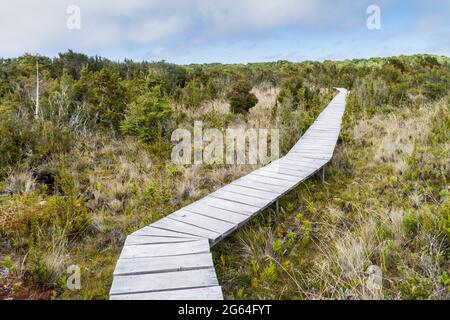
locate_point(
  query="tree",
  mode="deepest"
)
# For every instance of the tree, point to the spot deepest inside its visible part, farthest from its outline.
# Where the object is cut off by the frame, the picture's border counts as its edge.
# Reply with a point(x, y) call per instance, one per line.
point(148, 118)
point(240, 97)
point(108, 100)
point(73, 62)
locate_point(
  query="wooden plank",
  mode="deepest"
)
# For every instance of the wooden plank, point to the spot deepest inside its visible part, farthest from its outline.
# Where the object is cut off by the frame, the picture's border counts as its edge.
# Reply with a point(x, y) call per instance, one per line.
point(311, 155)
point(315, 150)
point(321, 131)
point(181, 227)
point(226, 195)
point(150, 231)
point(316, 146)
point(325, 124)
point(298, 164)
point(310, 143)
point(313, 143)
point(164, 281)
point(318, 139)
point(230, 205)
point(325, 130)
point(268, 180)
point(197, 220)
point(136, 240)
point(165, 249)
point(163, 264)
point(291, 167)
point(251, 192)
point(294, 170)
point(316, 136)
point(278, 175)
point(258, 186)
point(207, 293)
point(299, 175)
point(296, 159)
point(217, 213)
point(331, 115)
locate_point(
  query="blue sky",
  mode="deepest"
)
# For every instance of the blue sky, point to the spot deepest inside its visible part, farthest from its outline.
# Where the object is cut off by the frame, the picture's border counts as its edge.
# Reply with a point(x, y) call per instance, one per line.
point(229, 31)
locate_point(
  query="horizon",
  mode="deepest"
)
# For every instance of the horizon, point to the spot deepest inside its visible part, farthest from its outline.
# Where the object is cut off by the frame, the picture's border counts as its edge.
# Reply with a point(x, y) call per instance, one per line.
point(224, 63)
point(197, 32)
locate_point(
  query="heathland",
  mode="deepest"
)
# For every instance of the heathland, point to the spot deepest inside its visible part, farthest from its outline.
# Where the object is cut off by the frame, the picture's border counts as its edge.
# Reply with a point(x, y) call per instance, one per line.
point(92, 164)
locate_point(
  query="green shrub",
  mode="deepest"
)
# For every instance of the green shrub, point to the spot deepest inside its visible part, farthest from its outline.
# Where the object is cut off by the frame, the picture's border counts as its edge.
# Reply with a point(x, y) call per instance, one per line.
point(16, 137)
point(8, 264)
point(27, 141)
point(148, 118)
point(410, 222)
point(270, 272)
point(277, 246)
point(444, 218)
point(240, 97)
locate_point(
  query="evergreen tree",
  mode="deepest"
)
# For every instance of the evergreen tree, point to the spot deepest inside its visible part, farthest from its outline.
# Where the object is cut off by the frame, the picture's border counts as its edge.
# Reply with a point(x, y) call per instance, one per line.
point(240, 97)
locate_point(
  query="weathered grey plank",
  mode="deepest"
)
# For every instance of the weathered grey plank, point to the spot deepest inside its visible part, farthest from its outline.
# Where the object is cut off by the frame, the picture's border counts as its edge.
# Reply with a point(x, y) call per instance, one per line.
point(284, 171)
point(163, 264)
point(297, 160)
point(181, 227)
point(226, 195)
point(292, 167)
point(314, 148)
point(299, 164)
point(217, 213)
point(151, 231)
point(197, 220)
point(230, 205)
point(313, 143)
point(207, 293)
point(267, 180)
point(136, 240)
point(165, 249)
point(266, 173)
point(164, 281)
point(251, 192)
point(243, 182)
point(310, 155)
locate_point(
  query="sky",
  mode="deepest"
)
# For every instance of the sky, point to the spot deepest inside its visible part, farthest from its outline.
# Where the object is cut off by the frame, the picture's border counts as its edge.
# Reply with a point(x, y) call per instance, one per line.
point(226, 31)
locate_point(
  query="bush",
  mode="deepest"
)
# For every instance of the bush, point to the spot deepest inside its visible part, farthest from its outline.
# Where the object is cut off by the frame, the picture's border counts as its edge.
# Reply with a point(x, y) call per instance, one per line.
point(15, 135)
point(240, 97)
point(147, 118)
point(28, 141)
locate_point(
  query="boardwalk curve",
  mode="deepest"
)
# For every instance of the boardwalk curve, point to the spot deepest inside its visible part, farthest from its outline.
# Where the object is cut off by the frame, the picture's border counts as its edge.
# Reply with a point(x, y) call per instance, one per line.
point(171, 258)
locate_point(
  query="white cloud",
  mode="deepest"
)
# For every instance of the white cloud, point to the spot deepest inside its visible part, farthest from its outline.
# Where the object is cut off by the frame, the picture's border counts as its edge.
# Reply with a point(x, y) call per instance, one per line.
point(159, 26)
point(41, 26)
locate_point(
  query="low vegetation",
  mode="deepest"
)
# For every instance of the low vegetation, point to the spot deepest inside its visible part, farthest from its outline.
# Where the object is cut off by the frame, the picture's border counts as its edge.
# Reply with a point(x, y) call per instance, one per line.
point(95, 166)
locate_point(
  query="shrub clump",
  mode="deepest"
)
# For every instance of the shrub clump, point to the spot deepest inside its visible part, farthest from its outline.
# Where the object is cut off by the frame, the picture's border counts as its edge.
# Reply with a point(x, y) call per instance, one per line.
point(241, 98)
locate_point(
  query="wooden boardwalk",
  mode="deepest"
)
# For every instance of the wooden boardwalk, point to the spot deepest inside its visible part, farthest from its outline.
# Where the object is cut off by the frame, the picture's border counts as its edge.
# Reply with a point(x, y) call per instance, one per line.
point(171, 258)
